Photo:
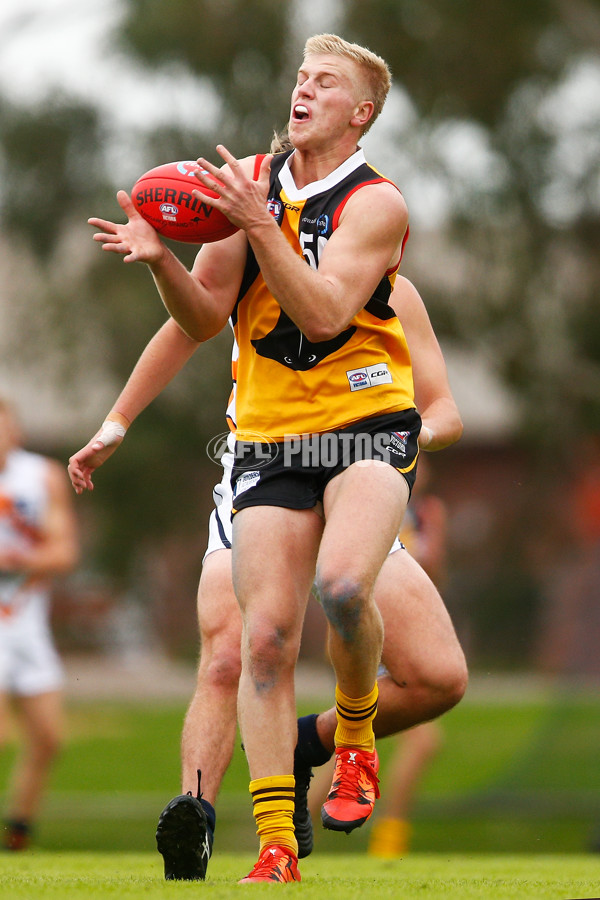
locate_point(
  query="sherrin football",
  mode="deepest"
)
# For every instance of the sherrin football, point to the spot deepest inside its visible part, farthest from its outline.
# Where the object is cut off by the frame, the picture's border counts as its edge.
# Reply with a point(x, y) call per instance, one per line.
point(163, 196)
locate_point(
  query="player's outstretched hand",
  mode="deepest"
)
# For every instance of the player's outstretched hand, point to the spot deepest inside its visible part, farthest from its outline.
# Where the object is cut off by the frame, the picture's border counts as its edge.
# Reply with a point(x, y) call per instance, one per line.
point(135, 239)
point(85, 462)
point(242, 199)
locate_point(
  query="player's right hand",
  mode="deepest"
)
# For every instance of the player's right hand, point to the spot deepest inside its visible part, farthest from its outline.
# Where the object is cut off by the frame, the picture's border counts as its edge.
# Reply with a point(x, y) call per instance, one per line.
point(136, 240)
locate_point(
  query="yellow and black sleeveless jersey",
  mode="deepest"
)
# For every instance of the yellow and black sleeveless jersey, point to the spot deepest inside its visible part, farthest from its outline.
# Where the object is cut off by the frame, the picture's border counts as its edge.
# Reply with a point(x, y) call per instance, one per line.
point(287, 385)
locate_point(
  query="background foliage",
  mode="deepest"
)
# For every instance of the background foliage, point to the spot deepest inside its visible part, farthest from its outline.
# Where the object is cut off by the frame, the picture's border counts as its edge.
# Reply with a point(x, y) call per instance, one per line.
point(493, 134)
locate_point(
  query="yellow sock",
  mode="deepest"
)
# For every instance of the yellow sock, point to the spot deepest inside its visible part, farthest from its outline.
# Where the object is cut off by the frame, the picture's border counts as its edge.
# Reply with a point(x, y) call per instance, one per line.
point(389, 838)
point(355, 720)
point(273, 808)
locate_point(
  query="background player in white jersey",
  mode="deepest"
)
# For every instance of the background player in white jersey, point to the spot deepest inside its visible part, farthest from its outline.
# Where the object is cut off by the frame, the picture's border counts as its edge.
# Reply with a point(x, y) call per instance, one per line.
point(38, 540)
point(426, 668)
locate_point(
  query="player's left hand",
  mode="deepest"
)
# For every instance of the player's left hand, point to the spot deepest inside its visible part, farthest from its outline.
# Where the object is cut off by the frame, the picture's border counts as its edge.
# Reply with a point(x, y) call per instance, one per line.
point(85, 462)
point(241, 199)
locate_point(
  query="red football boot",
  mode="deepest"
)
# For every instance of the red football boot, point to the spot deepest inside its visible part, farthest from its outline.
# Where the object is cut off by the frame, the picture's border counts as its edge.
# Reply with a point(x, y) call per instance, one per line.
point(353, 791)
point(274, 864)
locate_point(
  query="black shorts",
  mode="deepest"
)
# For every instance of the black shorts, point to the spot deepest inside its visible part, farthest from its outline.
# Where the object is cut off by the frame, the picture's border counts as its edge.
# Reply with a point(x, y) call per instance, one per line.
point(295, 473)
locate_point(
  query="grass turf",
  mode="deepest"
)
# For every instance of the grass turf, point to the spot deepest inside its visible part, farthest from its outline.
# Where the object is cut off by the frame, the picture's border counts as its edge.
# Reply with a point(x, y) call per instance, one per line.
point(515, 776)
point(512, 777)
point(72, 876)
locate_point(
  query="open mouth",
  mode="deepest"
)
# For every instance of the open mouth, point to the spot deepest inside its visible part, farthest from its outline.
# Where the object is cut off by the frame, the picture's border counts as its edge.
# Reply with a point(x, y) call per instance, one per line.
point(300, 112)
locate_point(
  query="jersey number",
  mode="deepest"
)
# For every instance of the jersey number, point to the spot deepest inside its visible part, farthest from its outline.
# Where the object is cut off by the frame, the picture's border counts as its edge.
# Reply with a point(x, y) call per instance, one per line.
point(311, 257)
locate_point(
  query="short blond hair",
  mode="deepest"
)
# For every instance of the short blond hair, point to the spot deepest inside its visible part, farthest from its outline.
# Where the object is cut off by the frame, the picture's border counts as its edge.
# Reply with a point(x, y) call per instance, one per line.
point(280, 142)
point(376, 72)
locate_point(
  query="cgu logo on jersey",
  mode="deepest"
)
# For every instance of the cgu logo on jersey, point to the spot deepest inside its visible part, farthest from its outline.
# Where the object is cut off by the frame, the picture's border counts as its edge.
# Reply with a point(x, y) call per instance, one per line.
point(369, 376)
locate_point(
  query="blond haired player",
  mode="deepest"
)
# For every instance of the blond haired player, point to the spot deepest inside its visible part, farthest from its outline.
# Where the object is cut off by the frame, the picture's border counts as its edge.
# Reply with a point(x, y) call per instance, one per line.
point(424, 678)
point(306, 282)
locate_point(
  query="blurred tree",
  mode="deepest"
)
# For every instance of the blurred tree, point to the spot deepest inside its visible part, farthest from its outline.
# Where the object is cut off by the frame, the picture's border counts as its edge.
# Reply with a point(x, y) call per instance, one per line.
point(72, 315)
point(50, 155)
point(517, 267)
point(242, 46)
point(458, 58)
point(500, 119)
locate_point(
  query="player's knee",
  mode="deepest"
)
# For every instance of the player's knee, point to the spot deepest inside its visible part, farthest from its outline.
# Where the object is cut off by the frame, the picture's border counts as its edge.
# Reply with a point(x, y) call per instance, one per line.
point(220, 656)
point(271, 653)
point(447, 682)
point(342, 601)
point(458, 682)
point(222, 667)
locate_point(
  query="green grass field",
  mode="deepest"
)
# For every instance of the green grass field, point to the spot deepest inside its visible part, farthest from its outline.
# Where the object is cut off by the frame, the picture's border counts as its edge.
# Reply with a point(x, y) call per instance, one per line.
point(512, 777)
point(507, 809)
point(74, 876)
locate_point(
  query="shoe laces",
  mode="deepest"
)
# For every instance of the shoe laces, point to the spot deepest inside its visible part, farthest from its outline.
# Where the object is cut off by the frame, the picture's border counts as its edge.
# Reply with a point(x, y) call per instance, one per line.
point(198, 792)
point(267, 862)
point(348, 769)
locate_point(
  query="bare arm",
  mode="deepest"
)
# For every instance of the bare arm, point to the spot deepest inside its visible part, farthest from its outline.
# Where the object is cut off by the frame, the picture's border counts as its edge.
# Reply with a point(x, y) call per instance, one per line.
point(199, 301)
point(202, 299)
point(442, 424)
point(367, 242)
point(164, 356)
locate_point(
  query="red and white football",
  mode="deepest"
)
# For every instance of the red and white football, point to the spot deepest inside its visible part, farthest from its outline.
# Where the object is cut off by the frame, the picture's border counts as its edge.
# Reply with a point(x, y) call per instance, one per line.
point(163, 196)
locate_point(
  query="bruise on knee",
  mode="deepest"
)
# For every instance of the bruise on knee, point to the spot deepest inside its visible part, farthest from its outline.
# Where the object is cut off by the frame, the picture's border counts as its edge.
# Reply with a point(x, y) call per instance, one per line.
point(341, 602)
point(266, 657)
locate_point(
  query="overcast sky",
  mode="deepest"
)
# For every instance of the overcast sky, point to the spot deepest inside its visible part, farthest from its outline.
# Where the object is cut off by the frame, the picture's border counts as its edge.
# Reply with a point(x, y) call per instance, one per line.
point(48, 45)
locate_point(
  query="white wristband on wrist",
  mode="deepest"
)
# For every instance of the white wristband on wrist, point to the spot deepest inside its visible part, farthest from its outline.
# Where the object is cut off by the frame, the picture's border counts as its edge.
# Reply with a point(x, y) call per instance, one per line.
point(111, 432)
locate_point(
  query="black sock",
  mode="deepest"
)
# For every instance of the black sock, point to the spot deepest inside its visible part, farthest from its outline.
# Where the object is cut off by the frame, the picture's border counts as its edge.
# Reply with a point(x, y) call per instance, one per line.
point(309, 749)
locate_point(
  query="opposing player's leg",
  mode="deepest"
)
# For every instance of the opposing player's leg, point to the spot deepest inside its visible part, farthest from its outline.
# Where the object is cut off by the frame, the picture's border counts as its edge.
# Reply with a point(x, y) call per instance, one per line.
point(42, 721)
point(369, 497)
point(272, 580)
point(186, 826)
point(426, 672)
point(209, 730)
